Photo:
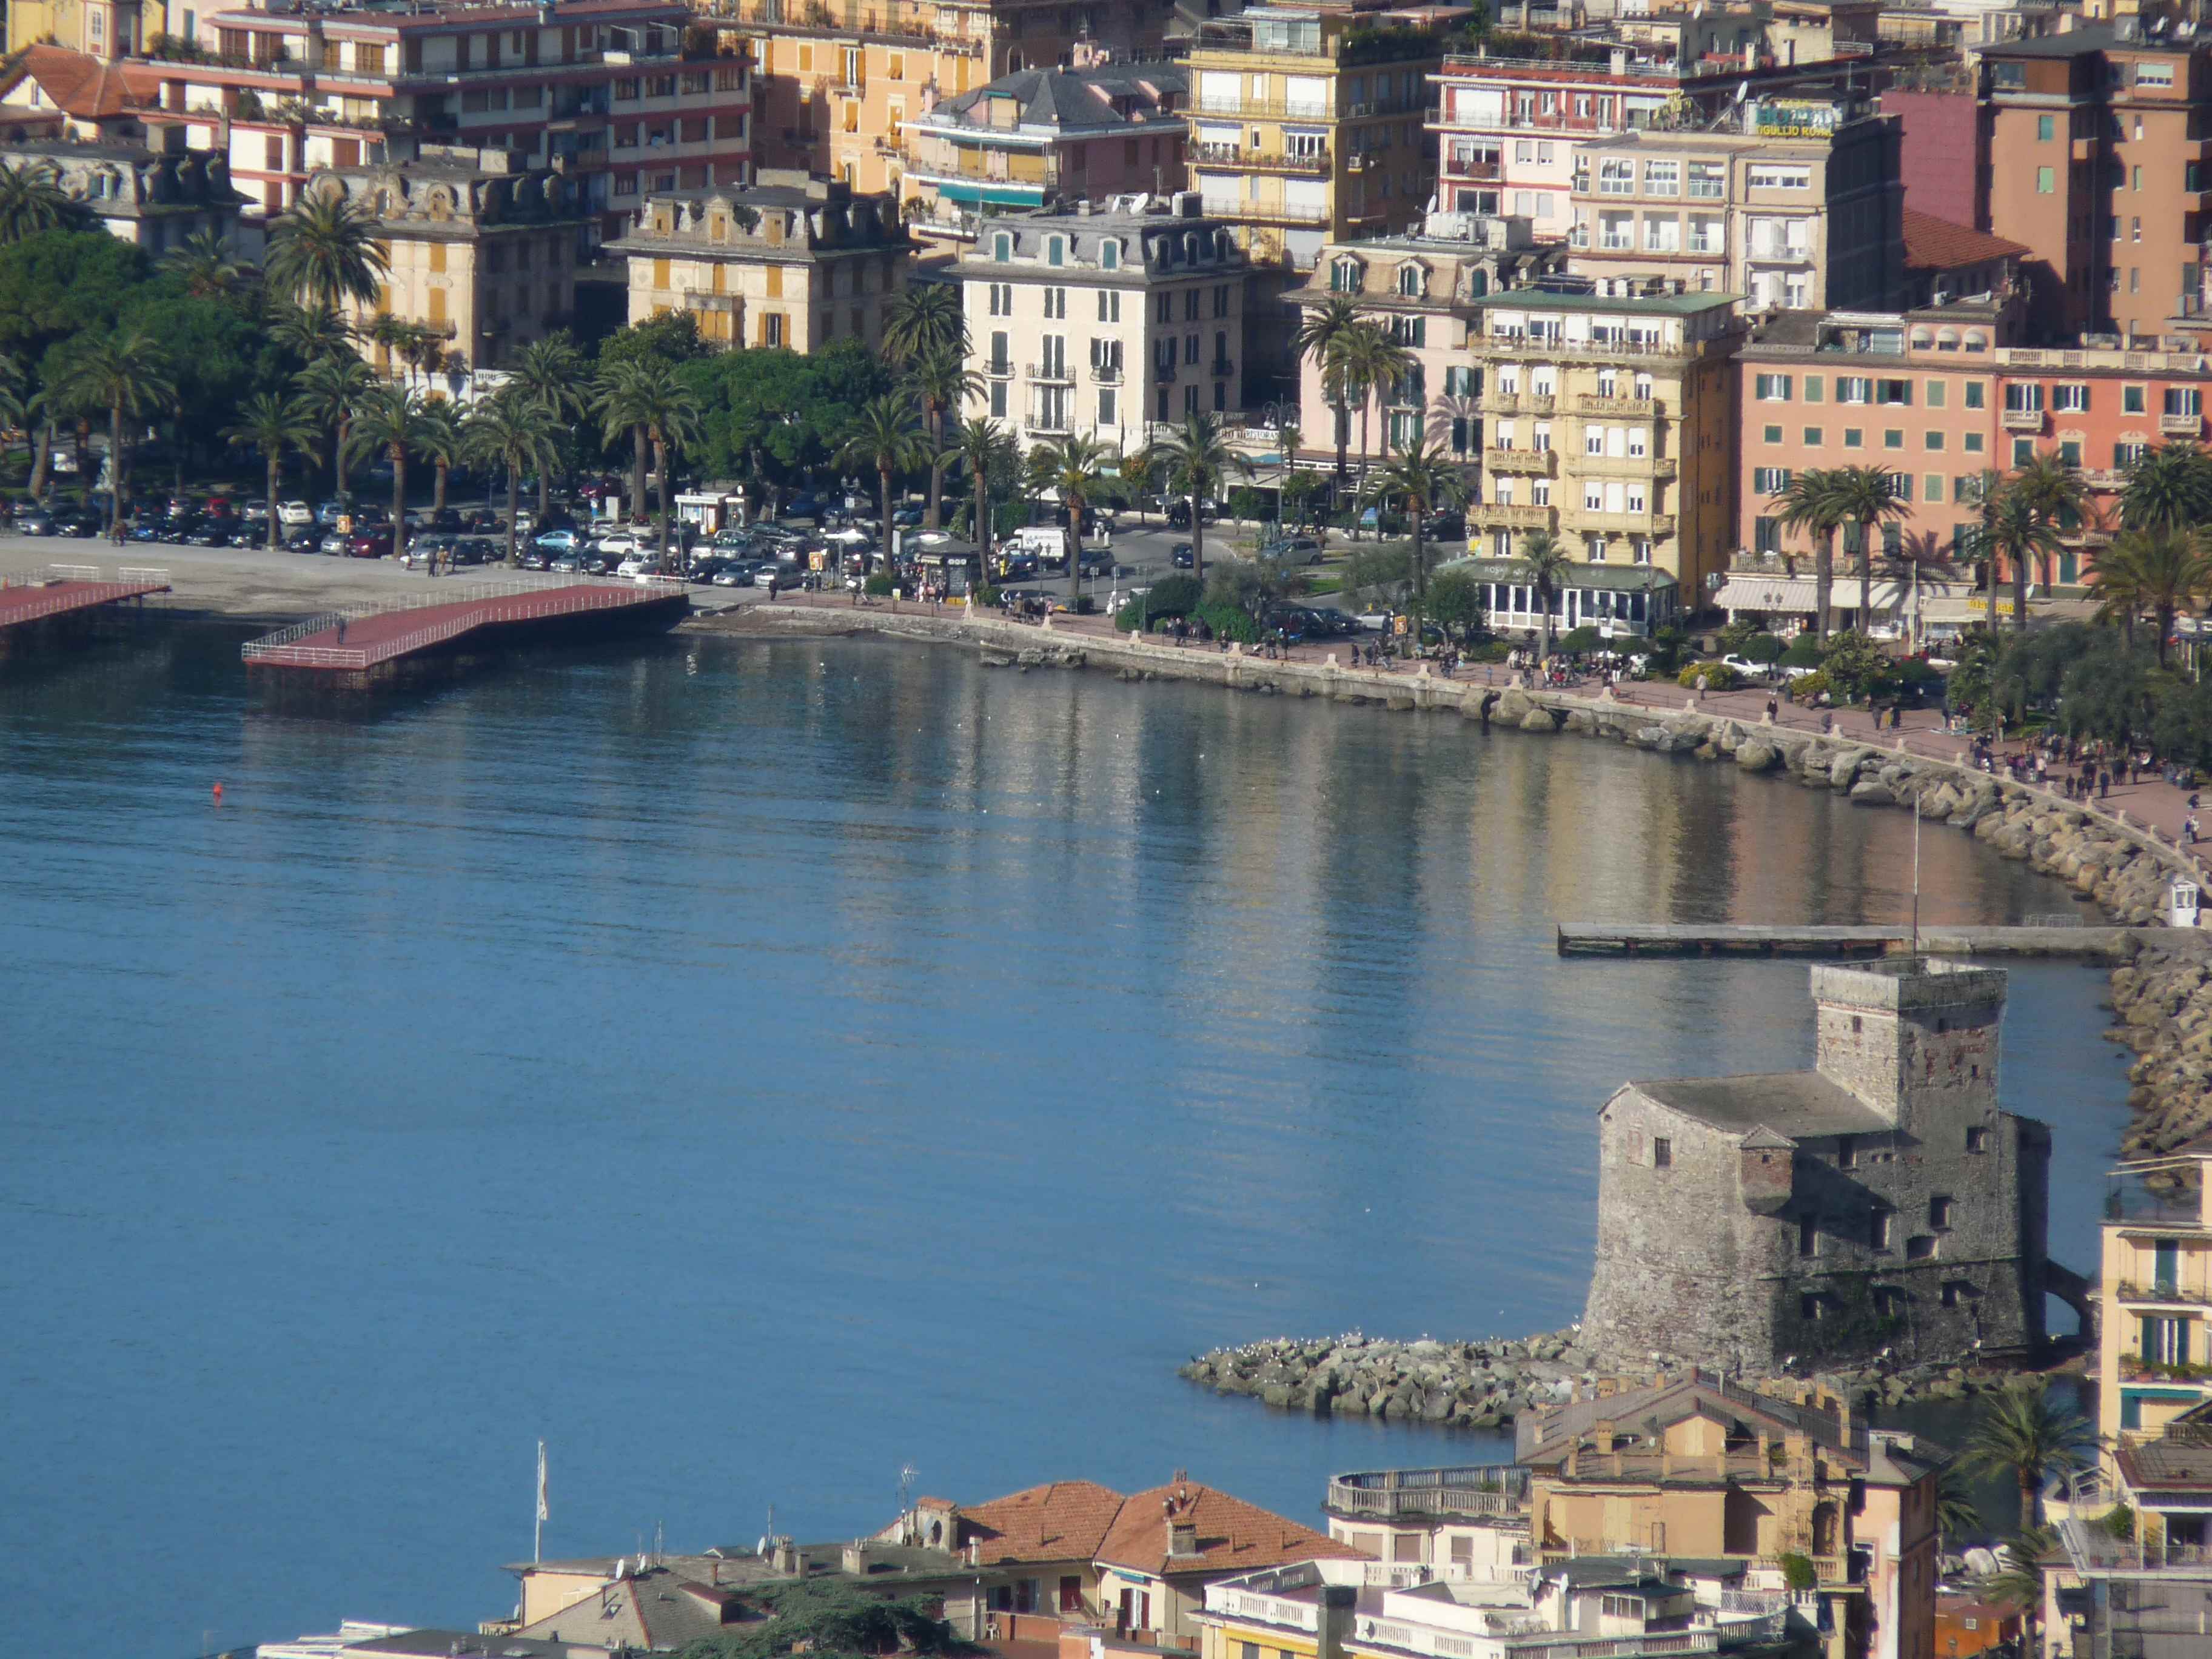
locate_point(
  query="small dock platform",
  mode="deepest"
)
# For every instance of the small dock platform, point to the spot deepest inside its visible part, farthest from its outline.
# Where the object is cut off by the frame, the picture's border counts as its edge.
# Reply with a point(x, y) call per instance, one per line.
point(62, 589)
point(370, 644)
point(1710, 939)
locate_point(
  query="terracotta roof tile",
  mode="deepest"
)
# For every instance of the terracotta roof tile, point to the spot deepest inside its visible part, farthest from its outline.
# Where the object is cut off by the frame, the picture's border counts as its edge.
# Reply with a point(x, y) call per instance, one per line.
point(1060, 1521)
point(89, 88)
point(1233, 1535)
point(1933, 244)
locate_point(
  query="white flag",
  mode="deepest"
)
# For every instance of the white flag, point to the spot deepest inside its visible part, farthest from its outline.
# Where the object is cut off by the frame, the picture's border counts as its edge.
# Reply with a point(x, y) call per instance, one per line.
point(543, 1513)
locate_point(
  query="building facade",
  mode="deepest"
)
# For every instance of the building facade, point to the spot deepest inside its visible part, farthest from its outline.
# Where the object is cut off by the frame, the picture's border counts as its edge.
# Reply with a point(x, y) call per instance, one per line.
point(1092, 132)
point(1102, 323)
point(156, 199)
point(622, 96)
point(1425, 291)
point(481, 246)
point(2154, 1353)
point(1609, 423)
point(1883, 1200)
point(792, 262)
point(1800, 206)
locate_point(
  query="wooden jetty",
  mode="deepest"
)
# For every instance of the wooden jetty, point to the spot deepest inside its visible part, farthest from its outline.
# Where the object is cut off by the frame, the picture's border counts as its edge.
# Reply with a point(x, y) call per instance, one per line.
point(1712, 939)
point(59, 600)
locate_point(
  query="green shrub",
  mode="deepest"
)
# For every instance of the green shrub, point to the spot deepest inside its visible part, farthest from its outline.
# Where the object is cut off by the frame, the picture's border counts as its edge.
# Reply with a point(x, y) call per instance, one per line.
point(2120, 1522)
point(1807, 688)
point(1249, 504)
point(878, 585)
point(1804, 652)
point(1797, 1570)
point(1583, 639)
point(985, 594)
point(1228, 622)
point(1174, 596)
point(1084, 604)
point(1490, 650)
point(1763, 648)
point(1718, 677)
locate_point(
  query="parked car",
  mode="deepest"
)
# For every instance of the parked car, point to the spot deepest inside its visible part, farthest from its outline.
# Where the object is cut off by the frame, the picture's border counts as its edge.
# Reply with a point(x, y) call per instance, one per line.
point(1447, 527)
point(368, 545)
point(34, 521)
point(295, 515)
point(1181, 557)
point(622, 544)
point(556, 541)
point(424, 546)
point(530, 556)
point(1293, 550)
point(740, 573)
point(477, 550)
point(1209, 512)
point(309, 540)
point(333, 544)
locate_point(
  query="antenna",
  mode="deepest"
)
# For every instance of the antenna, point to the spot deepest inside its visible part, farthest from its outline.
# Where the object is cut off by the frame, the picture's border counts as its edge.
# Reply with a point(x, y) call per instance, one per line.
point(908, 1476)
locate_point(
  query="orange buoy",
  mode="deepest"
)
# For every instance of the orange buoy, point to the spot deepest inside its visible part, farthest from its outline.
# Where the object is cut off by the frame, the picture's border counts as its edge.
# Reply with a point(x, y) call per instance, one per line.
point(218, 792)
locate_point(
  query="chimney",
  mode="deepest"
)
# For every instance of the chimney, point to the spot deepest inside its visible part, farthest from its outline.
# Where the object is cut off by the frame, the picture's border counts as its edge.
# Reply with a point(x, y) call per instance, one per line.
point(856, 1557)
point(1181, 1510)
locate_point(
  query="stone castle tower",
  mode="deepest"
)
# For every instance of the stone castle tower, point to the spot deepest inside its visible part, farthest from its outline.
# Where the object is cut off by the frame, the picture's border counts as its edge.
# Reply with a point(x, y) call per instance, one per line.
point(1883, 1200)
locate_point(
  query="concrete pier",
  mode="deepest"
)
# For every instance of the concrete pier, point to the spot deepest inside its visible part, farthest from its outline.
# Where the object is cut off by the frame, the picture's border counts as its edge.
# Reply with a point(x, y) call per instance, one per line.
point(1690, 939)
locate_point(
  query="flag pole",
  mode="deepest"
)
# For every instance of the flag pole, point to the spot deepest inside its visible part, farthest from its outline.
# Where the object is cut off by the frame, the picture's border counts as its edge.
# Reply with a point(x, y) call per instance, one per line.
point(538, 1533)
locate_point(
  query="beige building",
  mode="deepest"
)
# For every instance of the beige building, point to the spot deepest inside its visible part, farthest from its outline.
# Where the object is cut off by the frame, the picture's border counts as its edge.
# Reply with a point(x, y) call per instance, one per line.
point(1426, 291)
point(153, 199)
point(792, 262)
point(1799, 205)
point(1097, 323)
point(480, 246)
point(2154, 1340)
point(838, 80)
point(1611, 424)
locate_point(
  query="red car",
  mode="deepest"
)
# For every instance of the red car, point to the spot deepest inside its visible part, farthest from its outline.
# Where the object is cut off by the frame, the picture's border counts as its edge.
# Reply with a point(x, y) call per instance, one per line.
point(369, 544)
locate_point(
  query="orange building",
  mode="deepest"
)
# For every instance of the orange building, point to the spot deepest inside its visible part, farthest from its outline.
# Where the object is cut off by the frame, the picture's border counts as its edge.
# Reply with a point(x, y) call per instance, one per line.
point(1965, 1624)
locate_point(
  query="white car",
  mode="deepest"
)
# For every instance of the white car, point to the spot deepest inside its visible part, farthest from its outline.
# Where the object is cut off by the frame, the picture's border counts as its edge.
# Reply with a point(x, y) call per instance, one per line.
point(621, 544)
point(295, 515)
point(637, 566)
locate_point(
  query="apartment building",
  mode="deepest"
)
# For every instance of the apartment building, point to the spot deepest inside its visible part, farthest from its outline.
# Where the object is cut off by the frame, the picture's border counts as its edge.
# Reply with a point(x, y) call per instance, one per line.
point(156, 199)
point(1099, 321)
point(1798, 203)
point(2155, 1346)
point(481, 247)
point(1700, 1467)
point(1104, 130)
point(794, 261)
point(839, 79)
point(1307, 128)
point(614, 93)
point(1934, 397)
point(1426, 291)
point(1611, 424)
point(2106, 158)
point(1507, 127)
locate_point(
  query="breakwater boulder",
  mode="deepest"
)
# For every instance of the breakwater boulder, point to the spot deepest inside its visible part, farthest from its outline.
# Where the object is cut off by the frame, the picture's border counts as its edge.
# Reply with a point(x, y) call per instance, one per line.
point(2163, 1002)
point(1479, 1385)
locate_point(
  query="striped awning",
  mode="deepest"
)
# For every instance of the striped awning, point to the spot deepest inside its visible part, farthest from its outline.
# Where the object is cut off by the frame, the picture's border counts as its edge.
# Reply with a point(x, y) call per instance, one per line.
point(1769, 594)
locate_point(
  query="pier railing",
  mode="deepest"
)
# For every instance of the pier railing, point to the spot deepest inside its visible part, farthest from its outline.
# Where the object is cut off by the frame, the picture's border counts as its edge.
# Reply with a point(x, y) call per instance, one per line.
point(491, 602)
point(67, 583)
point(1477, 1489)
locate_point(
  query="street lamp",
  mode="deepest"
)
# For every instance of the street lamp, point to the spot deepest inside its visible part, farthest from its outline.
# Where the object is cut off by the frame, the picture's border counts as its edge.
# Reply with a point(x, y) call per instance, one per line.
point(1280, 418)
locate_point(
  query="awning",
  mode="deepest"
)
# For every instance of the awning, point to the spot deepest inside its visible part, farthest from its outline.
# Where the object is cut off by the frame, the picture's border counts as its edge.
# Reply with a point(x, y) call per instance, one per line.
point(993, 195)
point(1797, 593)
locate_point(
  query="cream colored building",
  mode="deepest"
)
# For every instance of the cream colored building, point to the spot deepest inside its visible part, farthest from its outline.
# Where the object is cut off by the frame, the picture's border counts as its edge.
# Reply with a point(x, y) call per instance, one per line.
point(792, 262)
point(1101, 322)
point(481, 247)
point(1800, 205)
point(1611, 424)
point(2156, 1338)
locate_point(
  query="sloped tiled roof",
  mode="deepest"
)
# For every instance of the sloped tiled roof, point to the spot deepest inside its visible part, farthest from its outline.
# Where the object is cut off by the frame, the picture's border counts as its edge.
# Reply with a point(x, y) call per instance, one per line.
point(1060, 1521)
point(1933, 244)
point(1233, 1535)
point(655, 1610)
point(85, 87)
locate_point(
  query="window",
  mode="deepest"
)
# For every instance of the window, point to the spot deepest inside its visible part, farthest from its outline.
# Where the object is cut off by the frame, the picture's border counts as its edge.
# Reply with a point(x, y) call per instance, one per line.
point(2184, 400)
point(1921, 1247)
point(1001, 359)
point(1002, 248)
point(1893, 392)
point(1110, 306)
point(2070, 399)
point(1847, 1152)
point(1109, 256)
point(1973, 442)
point(1663, 1152)
point(1854, 437)
point(1708, 180)
point(2023, 399)
point(1780, 178)
point(2023, 451)
point(1002, 299)
point(2043, 129)
point(1814, 437)
point(1772, 434)
point(1977, 392)
point(1770, 388)
point(1931, 487)
point(2126, 454)
point(2132, 400)
point(1812, 1306)
point(1816, 388)
point(1662, 178)
point(2154, 75)
point(1809, 1237)
point(1055, 250)
point(1106, 413)
point(1854, 389)
point(1770, 480)
point(1893, 437)
point(2164, 1339)
point(1938, 393)
point(1939, 1213)
point(2046, 181)
point(1616, 176)
point(1932, 442)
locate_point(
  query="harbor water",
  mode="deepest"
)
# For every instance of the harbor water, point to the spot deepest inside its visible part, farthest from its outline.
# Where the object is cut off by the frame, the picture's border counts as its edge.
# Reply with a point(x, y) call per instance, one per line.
point(754, 1067)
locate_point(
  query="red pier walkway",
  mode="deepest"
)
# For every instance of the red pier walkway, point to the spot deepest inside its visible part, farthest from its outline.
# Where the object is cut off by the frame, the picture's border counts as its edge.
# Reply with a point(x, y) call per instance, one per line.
point(66, 587)
point(357, 641)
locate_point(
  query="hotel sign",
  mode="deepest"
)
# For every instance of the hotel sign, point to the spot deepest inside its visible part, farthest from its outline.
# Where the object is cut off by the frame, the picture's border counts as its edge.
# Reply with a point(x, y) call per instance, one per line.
point(1793, 118)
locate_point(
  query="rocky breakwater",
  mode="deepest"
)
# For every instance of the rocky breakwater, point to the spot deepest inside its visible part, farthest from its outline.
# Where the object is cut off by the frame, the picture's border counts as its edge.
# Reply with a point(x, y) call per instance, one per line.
point(1475, 1385)
point(2163, 1001)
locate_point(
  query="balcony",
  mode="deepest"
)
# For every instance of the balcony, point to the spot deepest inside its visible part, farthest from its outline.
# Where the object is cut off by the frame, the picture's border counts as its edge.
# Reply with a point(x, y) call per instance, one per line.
point(2181, 426)
point(999, 369)
point(2164, 1293)
point(1272, 212)
point(1623, 466)
point(1482, 171)
point(1106, 373)
point(1052, 374)
point(1255, 160)
point(2023, 420)
point(1525, 463)
point(1619, 408)
point(1266, 109)
point(1621, 524)
point(1551, 345)
point(1222, 369)
point(1048, 426)
point(2134, 1368)
point(1519, 402)
point(1515, 516)
point(1163, 370)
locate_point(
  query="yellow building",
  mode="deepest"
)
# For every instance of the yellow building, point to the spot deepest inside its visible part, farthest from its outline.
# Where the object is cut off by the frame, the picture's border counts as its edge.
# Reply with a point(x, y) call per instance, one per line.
point(105, 29)
point(838, 80)
point(480, 248)
point(2154, 1356)
point(792, 262)
point(1307, 128)
point(1609, 422)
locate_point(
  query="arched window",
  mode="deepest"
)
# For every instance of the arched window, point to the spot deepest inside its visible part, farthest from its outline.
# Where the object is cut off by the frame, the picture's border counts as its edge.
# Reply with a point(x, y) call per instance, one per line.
point(1002, 247)
point(1345, 277)
point(1977, 340)
point(1946, 339)
point(1922, 339)
point(1412, 280)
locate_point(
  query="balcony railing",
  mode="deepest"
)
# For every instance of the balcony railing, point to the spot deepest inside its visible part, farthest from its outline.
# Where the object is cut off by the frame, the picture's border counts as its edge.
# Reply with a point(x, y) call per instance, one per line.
point(1481, 172)
point(1052, 374)
point(1530, 463)
point(1475, 1489)
point(1106, 373)
point(1162, 371)
point(1549, 345)
point(1256, 161)
point(1621, 524)
point(998, 368)
point(1519, 402)
point(2163, 1291)
point(1626, 409)
point(1267, 108)
point(2023, 420)
point(1515, 516)
point(1222, 369)
point(1624, 466)
point(2134, 1368)
point(2181, 426)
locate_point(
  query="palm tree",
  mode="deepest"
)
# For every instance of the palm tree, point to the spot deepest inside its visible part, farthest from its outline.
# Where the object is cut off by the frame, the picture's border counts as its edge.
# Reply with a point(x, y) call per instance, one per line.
point(613, 392)
point(514, 430)
point(312, 332)
point(2018, 1583)
point(884, 438)
point(332, 389)
point(1546, 560)
point(1958, 1517)
point(1368, 361)
point(1195, 458)
point(1424, 477)
point(987, 449)
point(2023, 1434)
point(390, 419)
point(942, 381)
point(326, 251)
point(31, 200)
point(2054, 489)
point(1810, 503)
point(203, 263)
point(126, 376)
point(1318, 337)
point(2169, 485)
point(551, 370)
point(14, 401)
point(2163, 571)
point(273, 423)
point(649, 398)
point(927, 317)
point(1916, 559)
point(1072, 468)
point(441, 446)
point(390, 335)
point(1866, 496)
point(2019, 532)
